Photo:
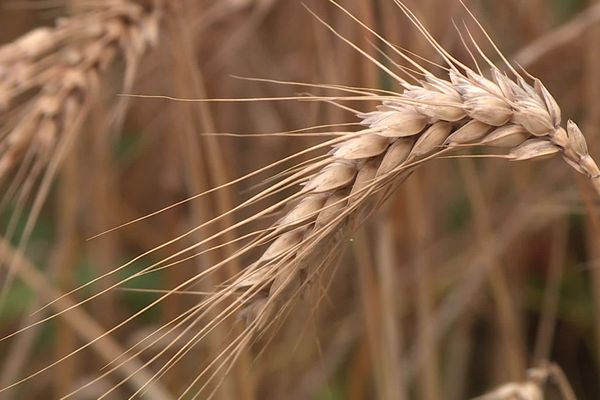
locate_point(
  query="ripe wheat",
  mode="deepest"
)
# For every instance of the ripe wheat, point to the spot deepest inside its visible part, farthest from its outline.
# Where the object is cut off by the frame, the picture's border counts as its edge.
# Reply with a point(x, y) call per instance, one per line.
point(50, 80)
point(432, 117)
point(64, 66)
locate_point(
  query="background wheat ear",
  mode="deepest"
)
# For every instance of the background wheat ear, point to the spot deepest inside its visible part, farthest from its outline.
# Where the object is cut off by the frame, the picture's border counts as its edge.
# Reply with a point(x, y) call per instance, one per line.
point(336, 275)
point(57, 95)
point(51, 80)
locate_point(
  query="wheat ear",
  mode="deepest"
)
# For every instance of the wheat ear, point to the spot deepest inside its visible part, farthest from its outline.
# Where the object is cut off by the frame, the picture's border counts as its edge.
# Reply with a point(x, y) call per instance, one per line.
point(64, 66)
point(431, 117)
point(50, 79)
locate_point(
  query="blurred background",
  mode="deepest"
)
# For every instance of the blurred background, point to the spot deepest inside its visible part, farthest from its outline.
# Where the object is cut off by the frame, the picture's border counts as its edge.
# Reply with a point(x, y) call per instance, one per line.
point(476, 271)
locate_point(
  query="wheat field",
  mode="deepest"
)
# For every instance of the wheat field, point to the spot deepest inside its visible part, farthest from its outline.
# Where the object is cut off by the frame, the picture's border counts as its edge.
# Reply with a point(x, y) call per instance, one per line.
point(276, 199)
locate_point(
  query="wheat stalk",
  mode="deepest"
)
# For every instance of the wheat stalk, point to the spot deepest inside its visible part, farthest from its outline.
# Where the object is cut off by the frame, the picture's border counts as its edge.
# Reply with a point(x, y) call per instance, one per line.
point(51, 80)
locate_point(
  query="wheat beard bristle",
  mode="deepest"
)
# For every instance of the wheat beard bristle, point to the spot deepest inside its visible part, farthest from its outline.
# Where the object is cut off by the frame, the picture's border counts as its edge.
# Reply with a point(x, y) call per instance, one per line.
point(423, 122)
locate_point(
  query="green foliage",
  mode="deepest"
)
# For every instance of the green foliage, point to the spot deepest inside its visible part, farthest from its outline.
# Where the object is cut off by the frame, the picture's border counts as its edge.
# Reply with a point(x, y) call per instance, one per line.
point(17, 302)
point(135, 300)
point(564, 9)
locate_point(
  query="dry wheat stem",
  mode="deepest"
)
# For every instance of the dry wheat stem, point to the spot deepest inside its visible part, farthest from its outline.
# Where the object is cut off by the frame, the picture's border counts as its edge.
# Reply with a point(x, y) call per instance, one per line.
point(85, 326)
